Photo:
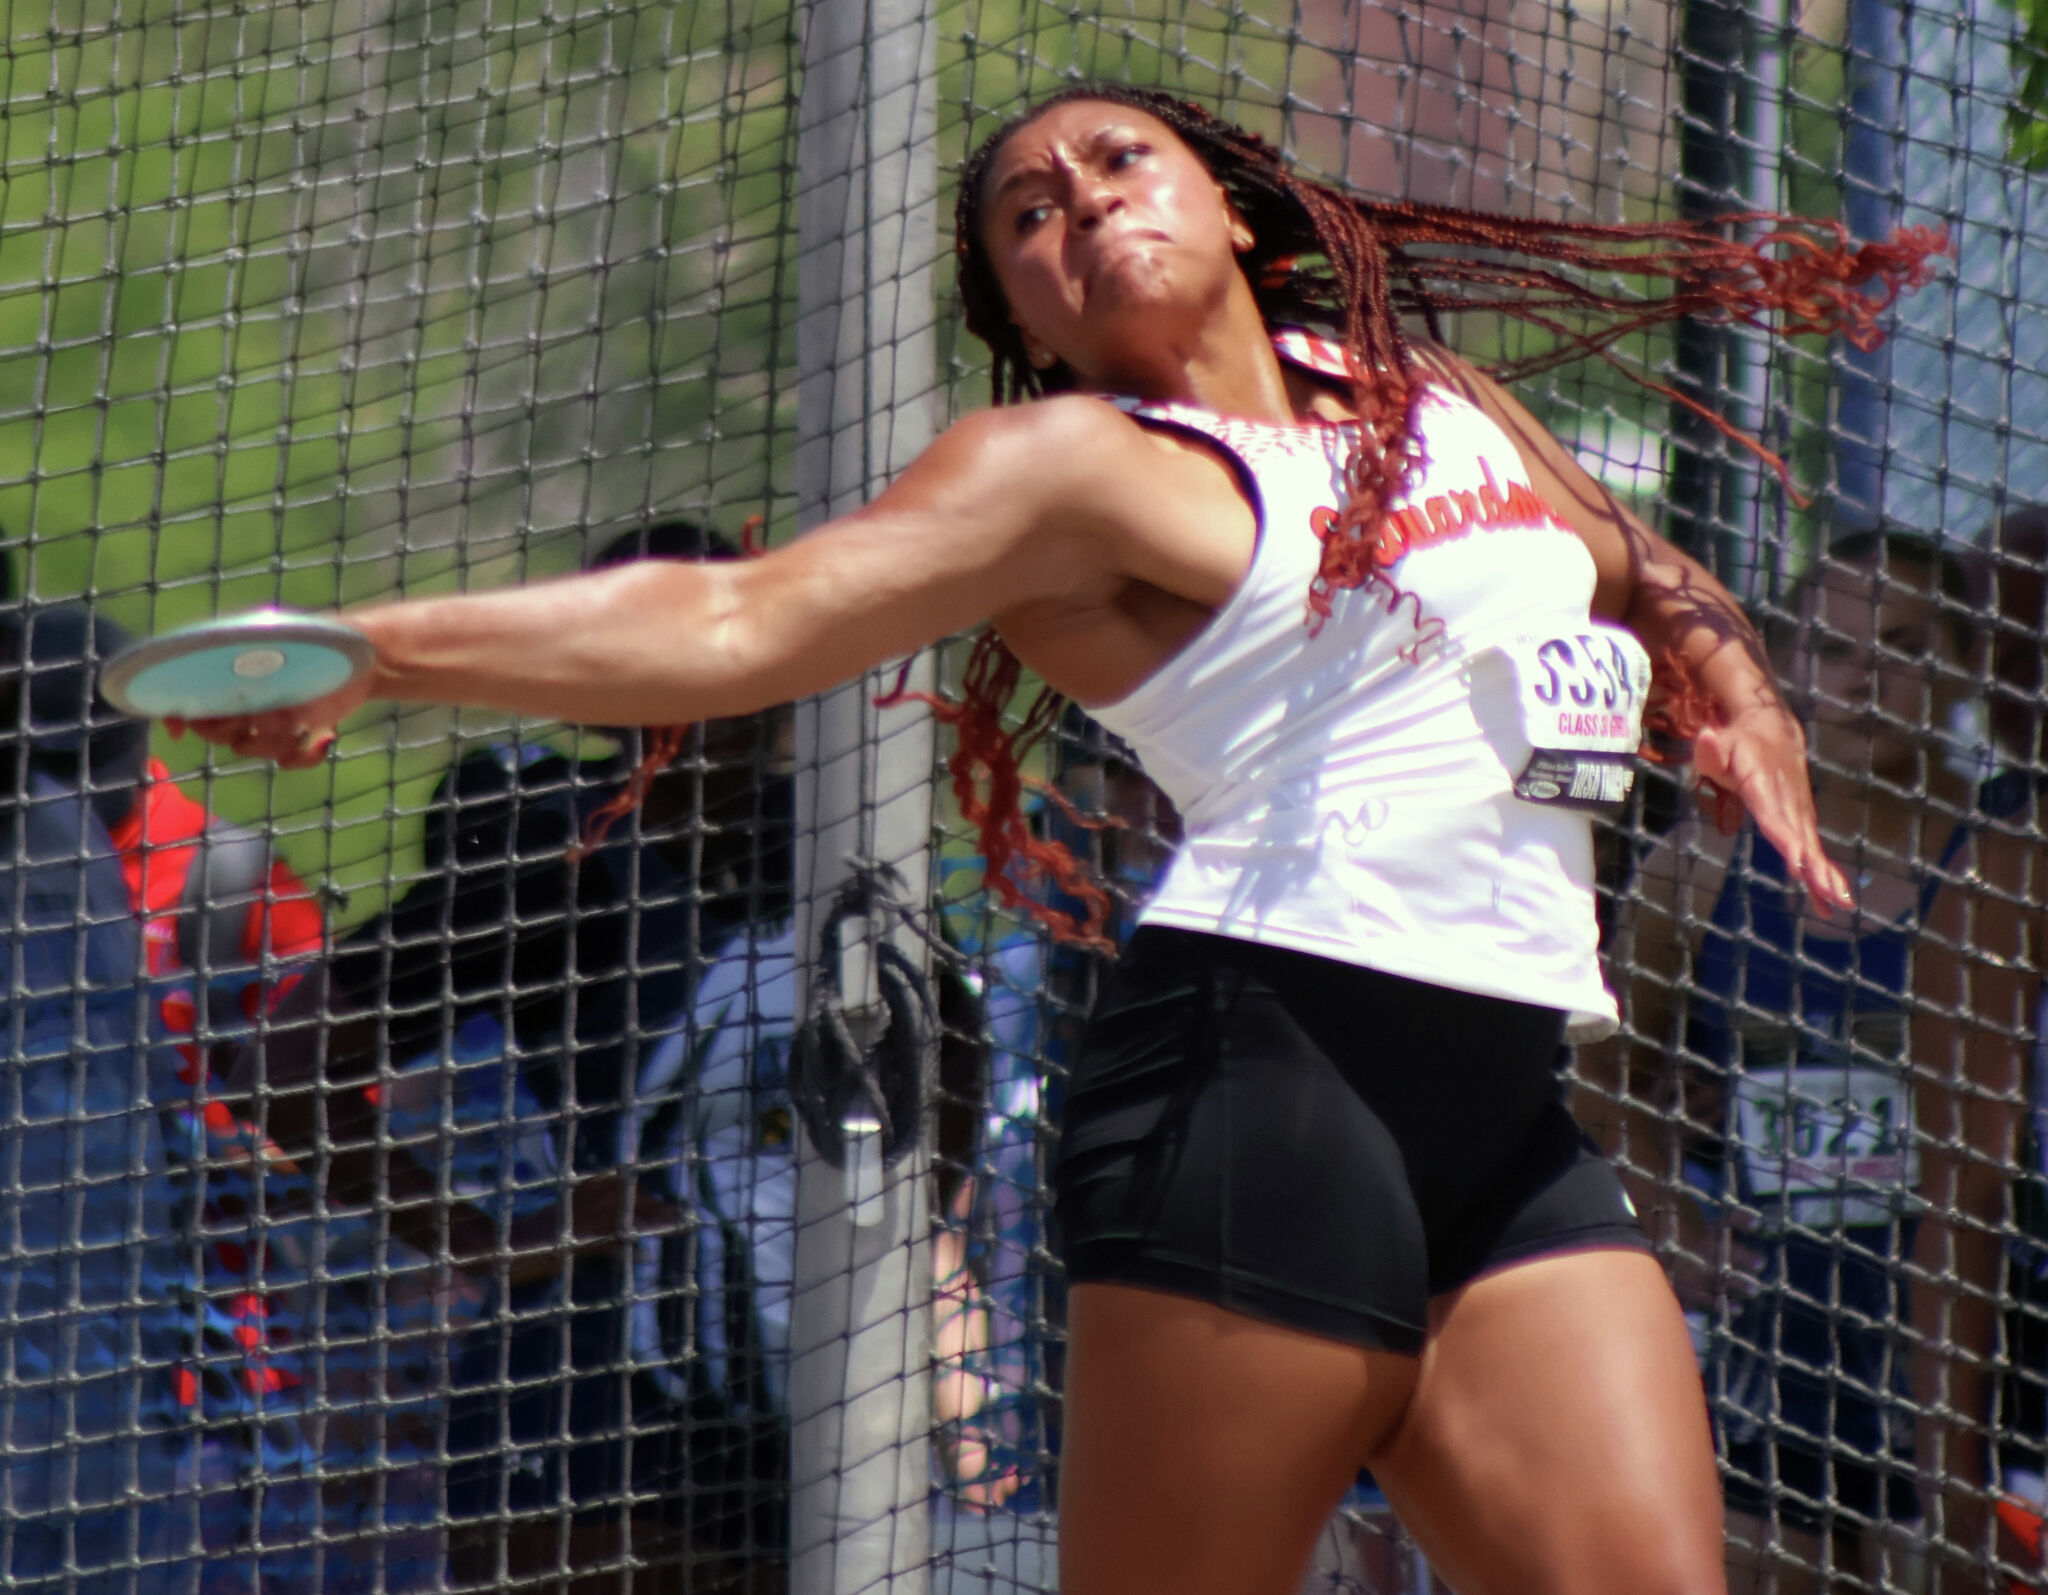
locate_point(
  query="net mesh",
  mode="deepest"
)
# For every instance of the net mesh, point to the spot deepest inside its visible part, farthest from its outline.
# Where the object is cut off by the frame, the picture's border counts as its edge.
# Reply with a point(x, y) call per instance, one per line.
point(397, 1198)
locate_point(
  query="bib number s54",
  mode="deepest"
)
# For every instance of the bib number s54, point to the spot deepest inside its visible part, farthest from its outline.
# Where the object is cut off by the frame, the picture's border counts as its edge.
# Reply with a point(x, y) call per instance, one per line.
point(1580, 697)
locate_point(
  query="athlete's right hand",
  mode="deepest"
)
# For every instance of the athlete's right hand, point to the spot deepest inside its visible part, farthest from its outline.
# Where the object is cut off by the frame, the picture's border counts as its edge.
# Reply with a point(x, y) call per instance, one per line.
point(295, 738)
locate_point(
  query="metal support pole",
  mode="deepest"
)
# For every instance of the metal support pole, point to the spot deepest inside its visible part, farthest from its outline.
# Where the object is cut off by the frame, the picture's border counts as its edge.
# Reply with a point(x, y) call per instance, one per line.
point(1871, 195)
point(860, 1379)
point(1767, 409)
point(1713, 181)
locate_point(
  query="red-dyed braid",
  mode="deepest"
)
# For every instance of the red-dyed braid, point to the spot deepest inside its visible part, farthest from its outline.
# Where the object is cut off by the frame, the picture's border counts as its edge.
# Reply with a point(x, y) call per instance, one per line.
point(987, 766)
point(1323, 257)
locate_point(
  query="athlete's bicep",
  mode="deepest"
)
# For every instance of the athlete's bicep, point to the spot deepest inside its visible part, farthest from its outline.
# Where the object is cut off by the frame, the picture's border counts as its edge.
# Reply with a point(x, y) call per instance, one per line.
point(998, 511)
point(1060, 504)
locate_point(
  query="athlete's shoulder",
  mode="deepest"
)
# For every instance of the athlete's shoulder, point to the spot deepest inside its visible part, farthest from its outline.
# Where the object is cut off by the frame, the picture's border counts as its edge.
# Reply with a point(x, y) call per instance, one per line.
point(1079, 426)
point(1451, 385)
point(1062, 473)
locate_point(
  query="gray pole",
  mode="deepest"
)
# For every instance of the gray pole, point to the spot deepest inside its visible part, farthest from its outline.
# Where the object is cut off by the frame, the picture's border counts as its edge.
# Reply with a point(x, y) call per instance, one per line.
point(1872, 196)
point(860, 1336)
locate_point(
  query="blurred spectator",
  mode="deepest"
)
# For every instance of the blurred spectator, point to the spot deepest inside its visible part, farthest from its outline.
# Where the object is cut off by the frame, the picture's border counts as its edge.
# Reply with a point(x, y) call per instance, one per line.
point(317, 1364)
point(226, 930)
point(2016, 595)
point(2015, 559)
point(419, 1184)
point(577, 964)
point(1840, 1079)
point(715, 1128)
point(449, 1064)
point(309, 1367)
point(91, 1267)
point(579, 959)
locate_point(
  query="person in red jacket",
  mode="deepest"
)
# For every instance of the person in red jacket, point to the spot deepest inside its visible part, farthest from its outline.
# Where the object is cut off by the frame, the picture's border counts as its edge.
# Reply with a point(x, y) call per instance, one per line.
point(227, 931)
point(215, 904)
point(252, 938)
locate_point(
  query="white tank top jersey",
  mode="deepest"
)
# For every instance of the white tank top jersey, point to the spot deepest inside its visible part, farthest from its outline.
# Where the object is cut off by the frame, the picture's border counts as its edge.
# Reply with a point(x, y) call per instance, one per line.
point(1352, 791)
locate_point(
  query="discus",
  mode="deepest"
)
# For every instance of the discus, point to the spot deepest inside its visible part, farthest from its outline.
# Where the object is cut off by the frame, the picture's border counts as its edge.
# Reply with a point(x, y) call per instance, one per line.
point(239, 664)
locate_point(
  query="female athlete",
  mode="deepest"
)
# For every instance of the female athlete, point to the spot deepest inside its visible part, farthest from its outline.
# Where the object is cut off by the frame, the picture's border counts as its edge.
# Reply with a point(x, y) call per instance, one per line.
point(1320, 1202)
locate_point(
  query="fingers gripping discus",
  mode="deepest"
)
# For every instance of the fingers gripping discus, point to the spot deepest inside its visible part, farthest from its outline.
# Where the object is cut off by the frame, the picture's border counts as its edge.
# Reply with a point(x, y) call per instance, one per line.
point(240, 664)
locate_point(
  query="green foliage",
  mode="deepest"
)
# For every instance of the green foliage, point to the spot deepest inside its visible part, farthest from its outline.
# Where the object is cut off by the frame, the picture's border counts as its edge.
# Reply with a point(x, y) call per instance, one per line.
point(2026, 116)
point(317, 300)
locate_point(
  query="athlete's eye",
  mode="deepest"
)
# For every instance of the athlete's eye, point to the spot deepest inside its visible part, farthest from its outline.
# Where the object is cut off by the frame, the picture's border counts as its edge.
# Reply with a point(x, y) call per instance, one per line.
point(1030, 217)
point(1127, 155)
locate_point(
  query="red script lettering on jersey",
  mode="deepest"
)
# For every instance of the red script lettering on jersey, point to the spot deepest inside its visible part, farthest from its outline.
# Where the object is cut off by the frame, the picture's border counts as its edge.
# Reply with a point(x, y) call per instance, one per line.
point(1444, 517)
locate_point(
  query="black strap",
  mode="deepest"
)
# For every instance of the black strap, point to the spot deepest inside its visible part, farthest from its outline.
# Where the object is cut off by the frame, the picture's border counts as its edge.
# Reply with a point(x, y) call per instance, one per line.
point(830, 1073)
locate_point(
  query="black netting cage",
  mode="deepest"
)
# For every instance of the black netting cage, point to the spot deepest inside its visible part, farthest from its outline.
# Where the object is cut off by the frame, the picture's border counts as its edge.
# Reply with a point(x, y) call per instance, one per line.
point(514, 1155)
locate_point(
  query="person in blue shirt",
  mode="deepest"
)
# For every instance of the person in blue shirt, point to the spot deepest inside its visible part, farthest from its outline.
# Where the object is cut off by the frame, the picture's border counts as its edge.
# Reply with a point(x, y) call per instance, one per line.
point(715, 1131)
point(582, 930)
point(346, 1495)
point(2013, 1421)
point(1848, 1096)
point(481, 1141)
point(93, 1273)
point(226, 927)
point(512, 988)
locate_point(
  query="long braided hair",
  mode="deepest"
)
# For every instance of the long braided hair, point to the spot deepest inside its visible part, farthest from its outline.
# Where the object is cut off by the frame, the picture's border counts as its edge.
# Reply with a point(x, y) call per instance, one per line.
point(1322, 257)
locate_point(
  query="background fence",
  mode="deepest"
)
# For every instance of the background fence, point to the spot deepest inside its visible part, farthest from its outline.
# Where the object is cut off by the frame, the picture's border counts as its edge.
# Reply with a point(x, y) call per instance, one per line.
point(315, 301)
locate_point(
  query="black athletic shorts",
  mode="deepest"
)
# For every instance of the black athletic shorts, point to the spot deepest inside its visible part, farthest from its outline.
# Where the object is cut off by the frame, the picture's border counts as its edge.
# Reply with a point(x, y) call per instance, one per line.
point(1315, 1144)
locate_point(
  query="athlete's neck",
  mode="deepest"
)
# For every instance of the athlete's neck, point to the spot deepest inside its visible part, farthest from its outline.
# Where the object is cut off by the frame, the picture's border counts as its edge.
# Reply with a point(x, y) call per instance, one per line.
point(1223, 362)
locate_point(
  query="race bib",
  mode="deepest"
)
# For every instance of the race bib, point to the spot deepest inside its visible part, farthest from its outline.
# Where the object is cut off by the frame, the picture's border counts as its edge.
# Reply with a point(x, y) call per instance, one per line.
point(1831, 1144)
point(1580, 698)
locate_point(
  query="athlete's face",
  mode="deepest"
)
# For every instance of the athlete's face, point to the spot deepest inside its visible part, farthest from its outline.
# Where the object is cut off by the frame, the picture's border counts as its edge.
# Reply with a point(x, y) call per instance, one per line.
point(1878, 666)
point(1105, 232)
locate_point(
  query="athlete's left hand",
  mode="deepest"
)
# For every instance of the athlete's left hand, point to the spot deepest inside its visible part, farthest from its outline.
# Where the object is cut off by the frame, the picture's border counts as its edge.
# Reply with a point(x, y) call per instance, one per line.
point(1760, 757)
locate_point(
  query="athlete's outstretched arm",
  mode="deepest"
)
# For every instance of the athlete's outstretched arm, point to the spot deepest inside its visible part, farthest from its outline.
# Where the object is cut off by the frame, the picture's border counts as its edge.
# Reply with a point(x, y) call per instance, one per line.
point(1007, 508)
point(1756, 747)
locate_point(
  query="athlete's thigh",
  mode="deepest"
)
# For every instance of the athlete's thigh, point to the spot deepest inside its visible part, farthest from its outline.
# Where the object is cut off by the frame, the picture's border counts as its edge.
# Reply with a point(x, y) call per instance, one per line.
point(1557, 1440)
point(1203, 1451)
